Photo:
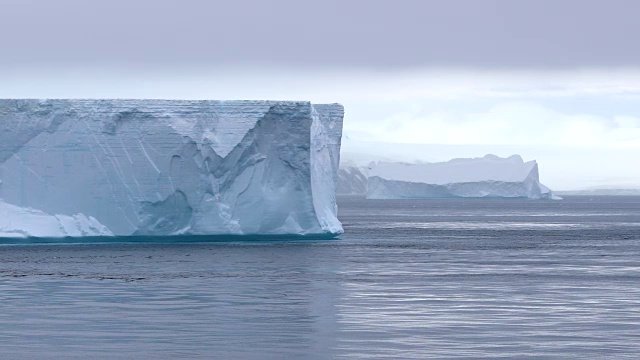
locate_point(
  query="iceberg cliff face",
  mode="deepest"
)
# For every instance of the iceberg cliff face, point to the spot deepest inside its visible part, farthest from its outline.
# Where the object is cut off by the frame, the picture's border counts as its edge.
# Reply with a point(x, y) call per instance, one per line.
point(163, 167)
point(352, 180)
point(490, 176)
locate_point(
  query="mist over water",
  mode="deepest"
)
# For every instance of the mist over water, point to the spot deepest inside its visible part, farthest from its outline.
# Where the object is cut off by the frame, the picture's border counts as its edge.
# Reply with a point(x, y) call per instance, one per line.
point(409, 279)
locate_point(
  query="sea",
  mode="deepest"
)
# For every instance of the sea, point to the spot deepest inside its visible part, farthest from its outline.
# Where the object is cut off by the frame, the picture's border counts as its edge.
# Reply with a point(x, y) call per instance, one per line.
point(409, 279)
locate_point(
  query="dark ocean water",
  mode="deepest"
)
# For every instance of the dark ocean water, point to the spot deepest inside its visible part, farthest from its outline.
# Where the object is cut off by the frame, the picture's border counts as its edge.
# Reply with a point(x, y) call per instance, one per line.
point(455, 279)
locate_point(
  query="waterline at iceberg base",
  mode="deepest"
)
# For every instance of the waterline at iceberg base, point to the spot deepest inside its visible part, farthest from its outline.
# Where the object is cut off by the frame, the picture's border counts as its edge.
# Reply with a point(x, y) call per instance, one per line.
point(104, 169)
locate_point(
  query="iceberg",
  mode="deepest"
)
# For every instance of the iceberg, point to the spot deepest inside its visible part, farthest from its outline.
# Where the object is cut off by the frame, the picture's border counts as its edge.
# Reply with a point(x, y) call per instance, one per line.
point(489, 176)
point(352, 179)
point(168, 167)
point(24, 222)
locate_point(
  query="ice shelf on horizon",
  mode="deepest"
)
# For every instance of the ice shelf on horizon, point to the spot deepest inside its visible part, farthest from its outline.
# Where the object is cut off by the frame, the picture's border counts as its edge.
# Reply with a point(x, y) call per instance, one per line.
point(489, 176)
point(168, 167)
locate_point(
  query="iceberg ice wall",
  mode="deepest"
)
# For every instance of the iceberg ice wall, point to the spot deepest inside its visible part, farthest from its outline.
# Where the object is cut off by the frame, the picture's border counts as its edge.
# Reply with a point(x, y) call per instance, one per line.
point(352, 179)
point(489, 176)
point(165, 167)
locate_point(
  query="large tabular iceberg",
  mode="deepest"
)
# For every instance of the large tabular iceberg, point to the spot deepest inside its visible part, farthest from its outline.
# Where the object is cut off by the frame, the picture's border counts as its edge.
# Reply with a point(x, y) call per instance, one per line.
point(489, 176)
point(352, 179)
point(165, 167)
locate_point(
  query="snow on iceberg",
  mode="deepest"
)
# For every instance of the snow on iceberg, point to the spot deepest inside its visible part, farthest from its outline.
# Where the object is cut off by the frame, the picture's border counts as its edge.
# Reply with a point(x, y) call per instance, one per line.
point(166, 167)
point(489, 176)
point(17, 222)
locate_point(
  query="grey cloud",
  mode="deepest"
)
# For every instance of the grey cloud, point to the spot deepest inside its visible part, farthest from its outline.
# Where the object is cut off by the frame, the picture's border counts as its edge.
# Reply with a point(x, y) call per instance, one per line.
point(357, 33)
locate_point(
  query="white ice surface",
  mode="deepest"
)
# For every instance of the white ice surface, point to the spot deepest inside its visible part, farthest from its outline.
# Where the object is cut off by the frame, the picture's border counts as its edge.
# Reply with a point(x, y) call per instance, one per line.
point(489, 176)
point(20, 222)
point(489, 167)
point(164, 167)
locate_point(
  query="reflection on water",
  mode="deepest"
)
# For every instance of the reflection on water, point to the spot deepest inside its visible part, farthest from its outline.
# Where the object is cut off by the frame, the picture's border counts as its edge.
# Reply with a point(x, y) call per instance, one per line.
point(392, 287)
point(182, 300)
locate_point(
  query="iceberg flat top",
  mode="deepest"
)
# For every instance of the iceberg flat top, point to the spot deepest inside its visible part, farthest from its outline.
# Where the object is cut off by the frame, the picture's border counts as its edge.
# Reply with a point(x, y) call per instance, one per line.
point(227, 121)
point(487, 168)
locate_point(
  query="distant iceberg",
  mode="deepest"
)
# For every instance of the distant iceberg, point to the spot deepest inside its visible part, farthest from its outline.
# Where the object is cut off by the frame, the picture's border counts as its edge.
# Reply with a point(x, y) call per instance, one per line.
point(168, 167)
point(352, 179)
point(489, 176)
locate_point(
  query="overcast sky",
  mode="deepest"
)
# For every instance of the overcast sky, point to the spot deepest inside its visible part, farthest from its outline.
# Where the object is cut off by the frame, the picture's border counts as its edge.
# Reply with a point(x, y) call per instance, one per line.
point(328, 33)
point(501, 75)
